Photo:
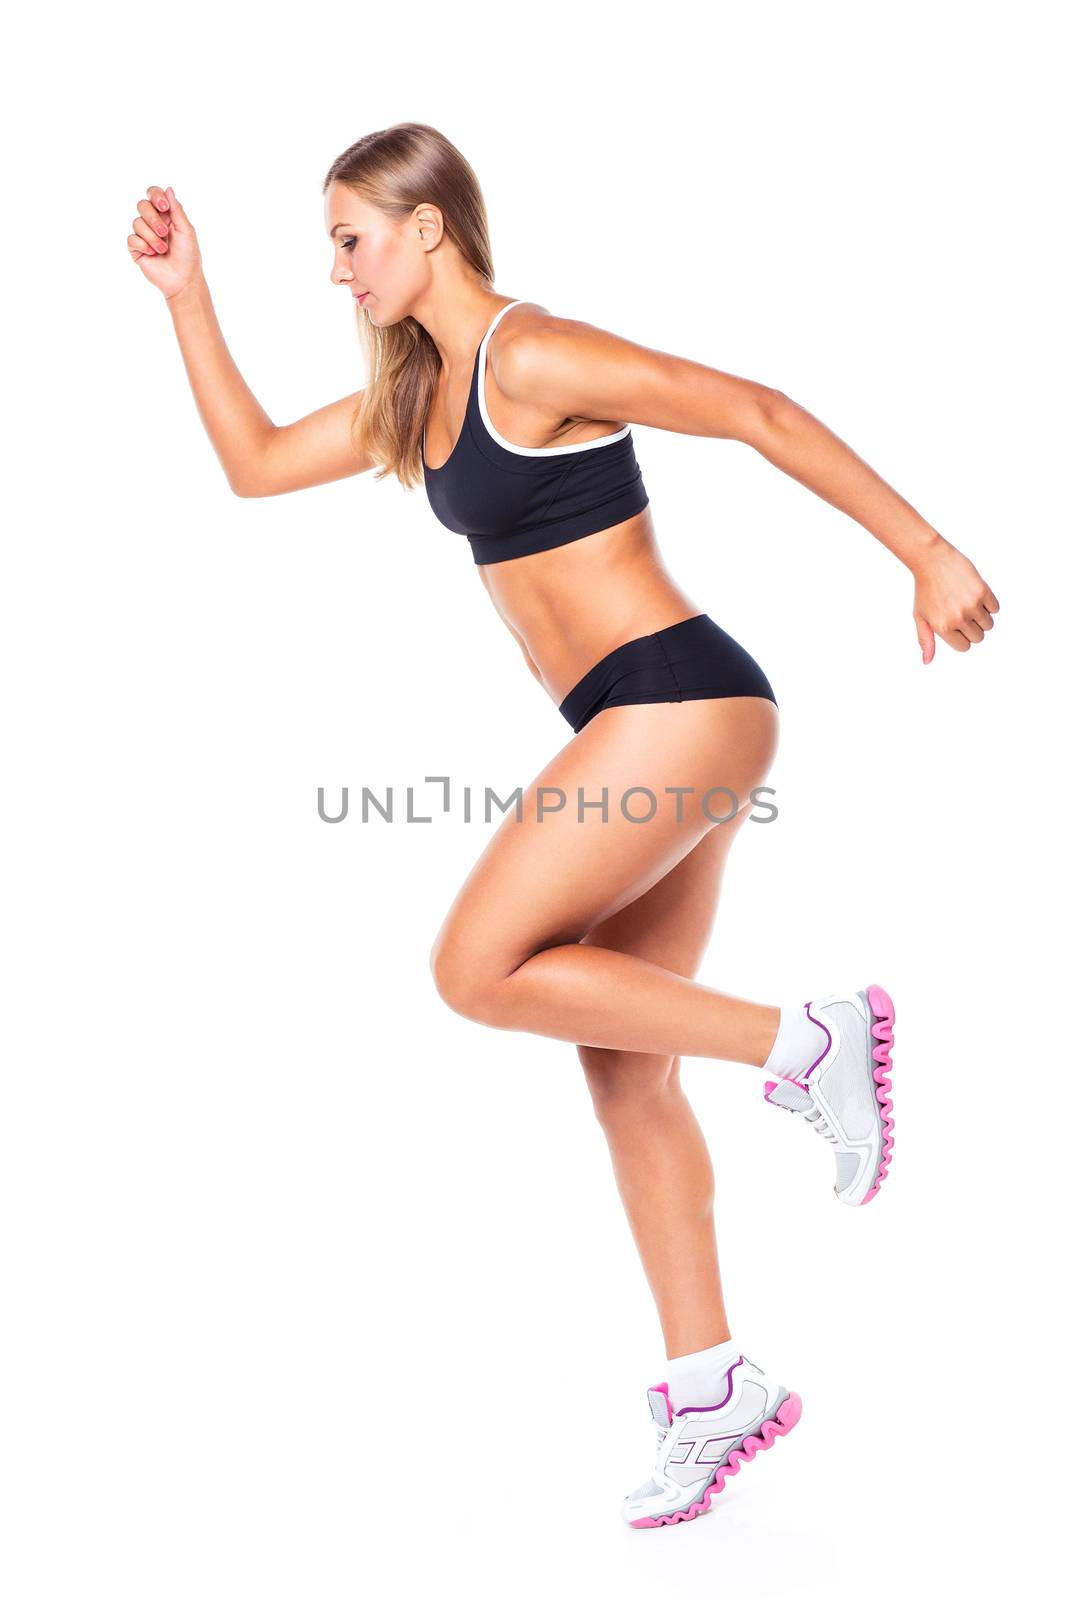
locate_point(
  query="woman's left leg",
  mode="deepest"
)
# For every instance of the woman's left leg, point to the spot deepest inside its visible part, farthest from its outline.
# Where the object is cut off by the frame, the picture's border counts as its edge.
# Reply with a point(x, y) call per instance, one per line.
point(509, 952)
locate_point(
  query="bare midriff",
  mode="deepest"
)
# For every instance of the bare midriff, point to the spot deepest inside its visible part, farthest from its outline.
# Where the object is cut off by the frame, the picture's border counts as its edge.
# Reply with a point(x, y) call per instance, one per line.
point(569, 606)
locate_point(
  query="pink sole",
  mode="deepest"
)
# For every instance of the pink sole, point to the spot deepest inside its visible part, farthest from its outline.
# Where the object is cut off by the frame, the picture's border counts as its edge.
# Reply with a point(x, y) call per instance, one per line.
point(882, 1029)
point(787, 1417)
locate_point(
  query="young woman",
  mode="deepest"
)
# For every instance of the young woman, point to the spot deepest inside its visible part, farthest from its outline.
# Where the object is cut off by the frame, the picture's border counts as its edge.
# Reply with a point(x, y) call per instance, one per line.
point(587, 914)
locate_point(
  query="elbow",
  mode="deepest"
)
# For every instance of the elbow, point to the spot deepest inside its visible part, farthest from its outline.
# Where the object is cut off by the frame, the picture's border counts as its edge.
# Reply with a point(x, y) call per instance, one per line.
point(775, 403)
point(769, 415)
point(249, 474)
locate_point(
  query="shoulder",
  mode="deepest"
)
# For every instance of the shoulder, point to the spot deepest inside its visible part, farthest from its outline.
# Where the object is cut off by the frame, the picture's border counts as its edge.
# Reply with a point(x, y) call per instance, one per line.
point(531, 349)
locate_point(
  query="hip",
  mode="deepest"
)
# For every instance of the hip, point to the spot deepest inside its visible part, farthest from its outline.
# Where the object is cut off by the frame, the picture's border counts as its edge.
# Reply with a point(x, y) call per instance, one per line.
point(694, 658)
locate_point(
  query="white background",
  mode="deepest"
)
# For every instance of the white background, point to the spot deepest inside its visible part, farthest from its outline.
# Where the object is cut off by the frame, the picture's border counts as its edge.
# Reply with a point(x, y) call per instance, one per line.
point(313, 1287)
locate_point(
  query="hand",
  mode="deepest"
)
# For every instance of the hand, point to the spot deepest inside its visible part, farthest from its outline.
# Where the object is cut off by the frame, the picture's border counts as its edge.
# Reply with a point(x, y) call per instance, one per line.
point(163, 243)
point(952, 599)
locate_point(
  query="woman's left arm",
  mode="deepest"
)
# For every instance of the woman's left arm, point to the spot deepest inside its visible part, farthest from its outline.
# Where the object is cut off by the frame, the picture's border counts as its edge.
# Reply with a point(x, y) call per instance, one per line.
point(578, 370)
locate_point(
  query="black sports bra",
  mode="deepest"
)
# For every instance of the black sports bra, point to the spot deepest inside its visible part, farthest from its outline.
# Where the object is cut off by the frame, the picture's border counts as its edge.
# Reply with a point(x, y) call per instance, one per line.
point(512, 500)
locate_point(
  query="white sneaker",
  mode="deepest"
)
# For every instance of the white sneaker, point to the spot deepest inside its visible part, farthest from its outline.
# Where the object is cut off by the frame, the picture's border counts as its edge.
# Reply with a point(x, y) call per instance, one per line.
point(846, 1093)
point(699, 1447)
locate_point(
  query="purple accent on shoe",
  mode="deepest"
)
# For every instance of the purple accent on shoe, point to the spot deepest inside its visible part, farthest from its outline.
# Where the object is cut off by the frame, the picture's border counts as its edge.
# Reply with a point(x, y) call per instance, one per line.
point(683, 1410)
point(702, 1459)
point(825, 1048)
point(788, 1415)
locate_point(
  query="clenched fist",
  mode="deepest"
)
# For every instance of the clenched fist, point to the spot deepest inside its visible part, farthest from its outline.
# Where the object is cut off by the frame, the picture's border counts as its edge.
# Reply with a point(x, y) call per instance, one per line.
point(951, 599)
point(163, 242)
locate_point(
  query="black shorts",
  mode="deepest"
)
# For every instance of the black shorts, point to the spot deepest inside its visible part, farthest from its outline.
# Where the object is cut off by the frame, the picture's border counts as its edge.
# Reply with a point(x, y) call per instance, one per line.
point(692, 660)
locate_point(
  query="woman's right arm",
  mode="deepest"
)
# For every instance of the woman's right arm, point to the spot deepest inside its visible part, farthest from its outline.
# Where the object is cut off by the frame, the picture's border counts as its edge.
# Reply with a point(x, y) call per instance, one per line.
point(257, 456)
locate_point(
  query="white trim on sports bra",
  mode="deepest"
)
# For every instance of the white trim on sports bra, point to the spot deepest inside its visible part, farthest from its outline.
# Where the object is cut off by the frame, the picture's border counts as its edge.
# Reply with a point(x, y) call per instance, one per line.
point(525, 449)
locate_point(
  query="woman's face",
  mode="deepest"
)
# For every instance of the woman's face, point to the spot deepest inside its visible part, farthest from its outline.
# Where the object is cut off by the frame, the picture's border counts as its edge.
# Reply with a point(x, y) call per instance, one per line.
point(381, 262)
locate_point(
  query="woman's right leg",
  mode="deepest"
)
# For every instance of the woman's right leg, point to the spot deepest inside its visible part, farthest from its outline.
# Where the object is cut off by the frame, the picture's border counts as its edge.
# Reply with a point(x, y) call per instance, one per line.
point(719, 1409)
point(658, 1152)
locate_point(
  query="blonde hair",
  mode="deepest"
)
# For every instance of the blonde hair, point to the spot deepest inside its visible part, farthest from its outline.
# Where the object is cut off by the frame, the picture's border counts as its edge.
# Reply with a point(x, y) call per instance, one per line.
point(394, 170)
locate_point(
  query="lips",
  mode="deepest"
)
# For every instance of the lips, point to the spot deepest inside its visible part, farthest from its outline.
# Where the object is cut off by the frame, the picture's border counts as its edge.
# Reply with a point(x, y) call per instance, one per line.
point(361, 297)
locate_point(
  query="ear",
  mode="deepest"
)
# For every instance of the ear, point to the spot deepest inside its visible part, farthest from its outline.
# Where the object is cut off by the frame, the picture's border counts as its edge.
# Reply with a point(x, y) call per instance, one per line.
point(430, 223)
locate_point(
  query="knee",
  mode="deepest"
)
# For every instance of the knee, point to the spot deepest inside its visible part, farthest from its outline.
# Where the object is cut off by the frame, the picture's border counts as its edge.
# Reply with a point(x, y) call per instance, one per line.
point(627, 1083)
point(460, 982)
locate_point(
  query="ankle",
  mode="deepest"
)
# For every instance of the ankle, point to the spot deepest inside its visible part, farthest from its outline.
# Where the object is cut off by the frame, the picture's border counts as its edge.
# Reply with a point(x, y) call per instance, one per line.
point(701, 1377)
point(798, 1044)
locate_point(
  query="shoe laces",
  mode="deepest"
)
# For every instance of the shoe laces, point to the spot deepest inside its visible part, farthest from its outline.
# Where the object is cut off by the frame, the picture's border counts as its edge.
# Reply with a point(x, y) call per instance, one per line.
point(665, 1440)
point(820, 1124)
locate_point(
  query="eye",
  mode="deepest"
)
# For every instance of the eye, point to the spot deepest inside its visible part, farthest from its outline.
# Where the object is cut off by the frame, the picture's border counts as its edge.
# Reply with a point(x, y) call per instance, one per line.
point(348, 241)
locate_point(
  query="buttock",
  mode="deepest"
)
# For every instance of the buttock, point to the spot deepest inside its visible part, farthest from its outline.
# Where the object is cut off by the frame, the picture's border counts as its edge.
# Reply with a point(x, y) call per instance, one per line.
point(692, 660)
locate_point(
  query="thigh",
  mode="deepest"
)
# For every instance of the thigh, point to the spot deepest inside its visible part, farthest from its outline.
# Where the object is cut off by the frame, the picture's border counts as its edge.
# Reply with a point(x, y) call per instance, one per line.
point(669, 925)
point(549, 877)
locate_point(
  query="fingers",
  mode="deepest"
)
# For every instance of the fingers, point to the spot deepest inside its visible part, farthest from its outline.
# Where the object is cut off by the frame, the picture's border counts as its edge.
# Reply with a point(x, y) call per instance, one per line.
point(156, 219)
point(179, 217)
point(985, 609)
point(159, 215)
point(975, 622)
point(960, 638)
point(970, 622)
point(151, 225)
point(147, 236)
point(962, 608)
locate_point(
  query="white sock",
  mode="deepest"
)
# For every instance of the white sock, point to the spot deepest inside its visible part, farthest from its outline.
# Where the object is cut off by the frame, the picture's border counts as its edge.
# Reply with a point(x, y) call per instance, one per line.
point(799, 1044)
point(701, 1378)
